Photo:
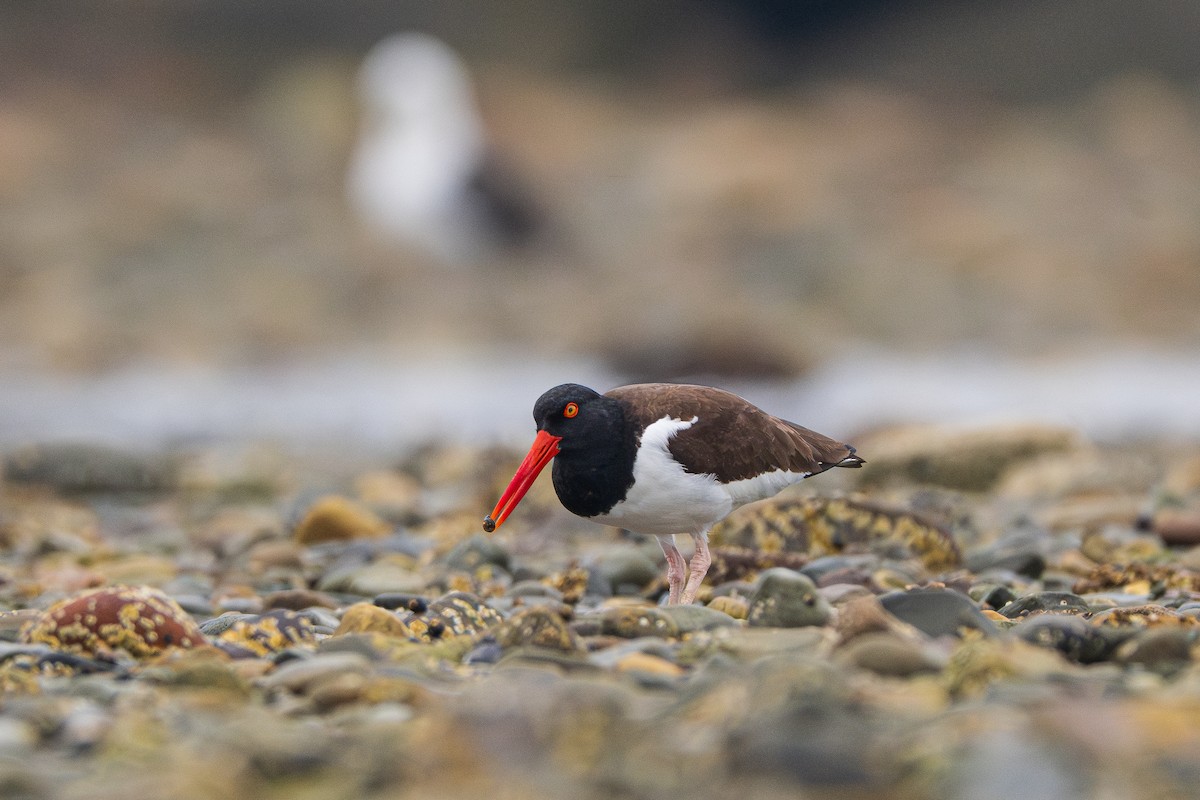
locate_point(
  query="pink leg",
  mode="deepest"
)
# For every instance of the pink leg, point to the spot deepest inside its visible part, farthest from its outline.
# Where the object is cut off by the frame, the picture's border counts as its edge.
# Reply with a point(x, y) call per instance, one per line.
point(698, 568)
point(676, 570)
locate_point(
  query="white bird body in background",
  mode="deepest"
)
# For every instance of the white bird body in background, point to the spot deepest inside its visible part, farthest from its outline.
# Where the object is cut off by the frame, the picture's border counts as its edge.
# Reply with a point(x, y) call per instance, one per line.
point(419, 171)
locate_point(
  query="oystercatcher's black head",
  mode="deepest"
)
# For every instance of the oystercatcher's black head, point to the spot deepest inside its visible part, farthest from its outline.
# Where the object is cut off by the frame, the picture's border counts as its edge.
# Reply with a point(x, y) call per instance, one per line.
point(575, 414)
point(587, 428)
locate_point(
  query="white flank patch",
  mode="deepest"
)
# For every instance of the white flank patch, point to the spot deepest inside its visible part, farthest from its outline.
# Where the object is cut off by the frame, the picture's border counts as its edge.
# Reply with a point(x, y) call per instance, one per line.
point(665, 498)
point(760, 487)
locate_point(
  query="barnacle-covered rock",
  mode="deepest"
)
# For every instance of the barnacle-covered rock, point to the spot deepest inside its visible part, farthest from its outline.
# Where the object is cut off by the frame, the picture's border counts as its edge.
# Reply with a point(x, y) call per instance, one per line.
point(817, 526)
point(453, 614)
point(141, 621)
point(267, 633)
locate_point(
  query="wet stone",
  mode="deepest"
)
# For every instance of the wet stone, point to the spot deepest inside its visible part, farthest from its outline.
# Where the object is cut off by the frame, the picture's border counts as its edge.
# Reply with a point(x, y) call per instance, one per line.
point(887, 654)
point(937, 612)
point(475, 552)
point(626, 570)
point(1164, 649)
point(1019, 554)
point(1058, 602)
point(786, 599)
point(692, 618)
point(1070, 635)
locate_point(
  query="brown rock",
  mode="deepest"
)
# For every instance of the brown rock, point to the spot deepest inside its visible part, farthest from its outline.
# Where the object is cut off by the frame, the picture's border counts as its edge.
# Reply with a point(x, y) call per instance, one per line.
point(736, 607)
point(298, 599)
point(368, 618)
point(971, 460)
point(336, 518)
point(139, 620)
point(1178, 527)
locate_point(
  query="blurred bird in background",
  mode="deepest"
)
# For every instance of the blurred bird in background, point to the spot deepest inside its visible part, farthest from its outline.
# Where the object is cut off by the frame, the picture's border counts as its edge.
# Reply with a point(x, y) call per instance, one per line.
point(422, 173)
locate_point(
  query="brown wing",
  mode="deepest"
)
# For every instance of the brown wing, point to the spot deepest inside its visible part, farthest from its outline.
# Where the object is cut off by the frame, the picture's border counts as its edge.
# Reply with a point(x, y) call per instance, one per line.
point(732, 439)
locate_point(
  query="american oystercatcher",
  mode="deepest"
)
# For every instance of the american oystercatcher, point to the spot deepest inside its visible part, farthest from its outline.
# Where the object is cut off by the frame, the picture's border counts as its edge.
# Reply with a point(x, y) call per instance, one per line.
point(662, 459)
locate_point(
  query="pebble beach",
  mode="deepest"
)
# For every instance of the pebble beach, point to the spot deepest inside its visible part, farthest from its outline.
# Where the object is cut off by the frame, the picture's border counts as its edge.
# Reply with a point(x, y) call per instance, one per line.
point(187, 626)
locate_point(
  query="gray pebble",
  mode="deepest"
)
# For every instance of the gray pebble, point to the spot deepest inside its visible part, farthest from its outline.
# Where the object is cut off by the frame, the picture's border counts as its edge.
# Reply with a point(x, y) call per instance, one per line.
point(937, 612)
point(785, 598)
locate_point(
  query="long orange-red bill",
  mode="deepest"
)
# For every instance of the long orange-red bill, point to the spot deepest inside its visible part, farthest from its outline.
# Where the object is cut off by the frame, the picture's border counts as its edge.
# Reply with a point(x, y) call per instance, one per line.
point(545, 447)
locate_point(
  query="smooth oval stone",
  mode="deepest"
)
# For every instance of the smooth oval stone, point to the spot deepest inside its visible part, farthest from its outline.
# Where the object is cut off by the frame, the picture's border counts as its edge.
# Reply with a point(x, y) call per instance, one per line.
point(787, 599)
point(477, 551)
point(1044, 601)
point(887, 654)
point(937, 612)
point(1070, 635)
point(692, 618)
point(626, 569)
point(994, 595)
point(1020, 554)
point(1162, 649)
point(487, 651)
point(370, 618)
point(301, 674)
point(533, 588)
point(819, 567)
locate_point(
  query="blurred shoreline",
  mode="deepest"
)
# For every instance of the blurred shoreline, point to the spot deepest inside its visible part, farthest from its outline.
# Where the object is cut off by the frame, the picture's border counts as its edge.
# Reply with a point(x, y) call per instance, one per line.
point(374, 404)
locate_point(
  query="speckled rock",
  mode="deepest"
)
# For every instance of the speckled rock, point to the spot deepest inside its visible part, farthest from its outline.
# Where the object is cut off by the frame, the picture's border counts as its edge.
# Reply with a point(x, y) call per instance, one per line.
point(631, 621)
point(537, 626)
point(452, 615)
point(786, 599)
point(261, 634)
point(1061, 602)
point(137, 620)
point(937, 612)
point(819, 526)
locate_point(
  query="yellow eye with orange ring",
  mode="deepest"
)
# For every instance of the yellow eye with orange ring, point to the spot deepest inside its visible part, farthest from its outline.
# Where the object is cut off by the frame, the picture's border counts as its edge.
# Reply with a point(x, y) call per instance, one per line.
point(570, 410)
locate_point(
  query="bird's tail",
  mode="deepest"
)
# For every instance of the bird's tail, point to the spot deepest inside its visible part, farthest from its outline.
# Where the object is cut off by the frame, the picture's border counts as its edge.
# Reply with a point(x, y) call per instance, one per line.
point(852, 460)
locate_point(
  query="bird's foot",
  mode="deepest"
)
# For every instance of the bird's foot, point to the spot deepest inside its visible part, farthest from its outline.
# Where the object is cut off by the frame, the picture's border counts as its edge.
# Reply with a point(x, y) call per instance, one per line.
point(677, 571)
point(697, 569)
